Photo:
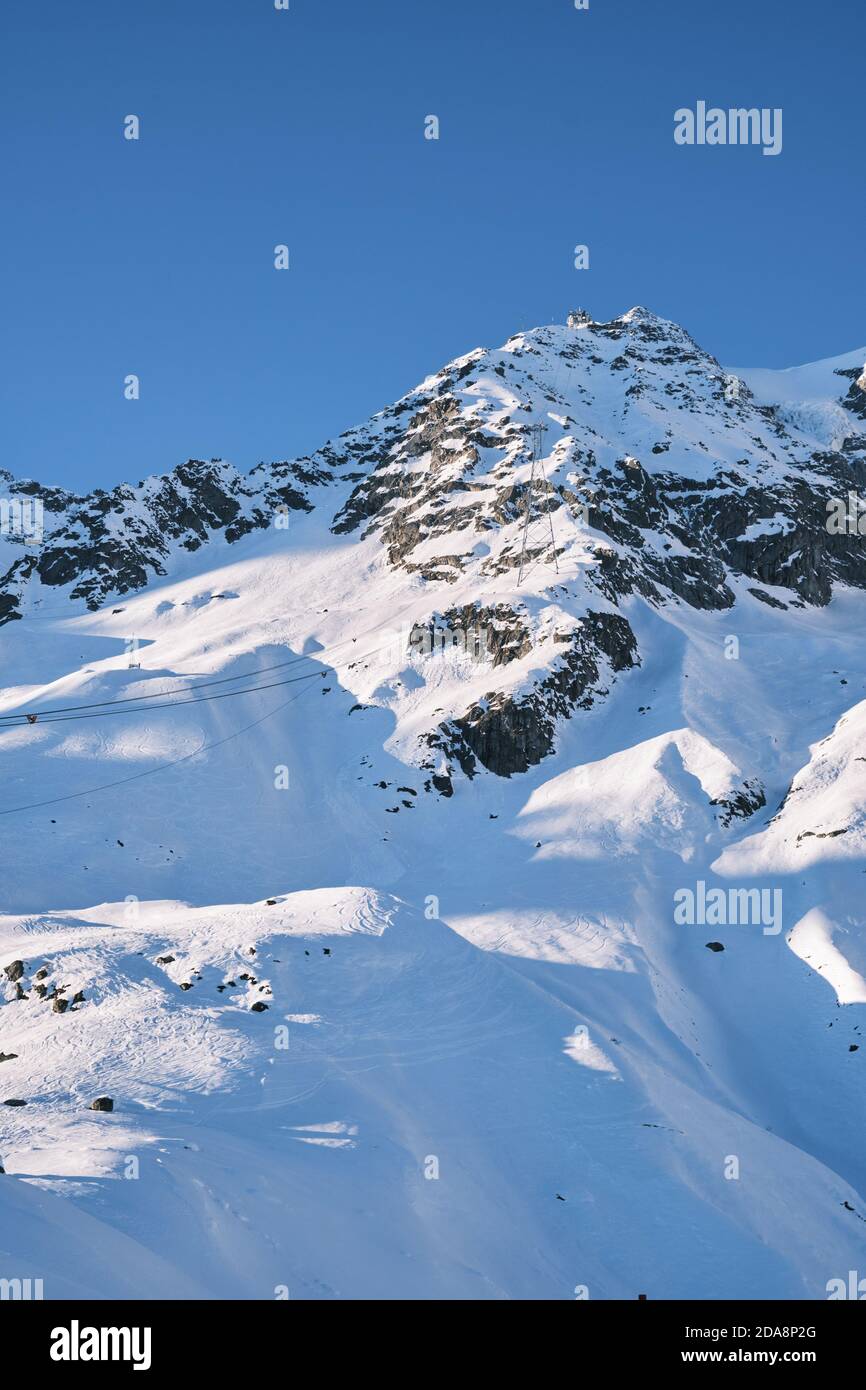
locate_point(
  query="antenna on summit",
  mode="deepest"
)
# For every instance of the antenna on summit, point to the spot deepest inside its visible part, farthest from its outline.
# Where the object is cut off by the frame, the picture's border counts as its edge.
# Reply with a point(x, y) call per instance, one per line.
point(539, 489)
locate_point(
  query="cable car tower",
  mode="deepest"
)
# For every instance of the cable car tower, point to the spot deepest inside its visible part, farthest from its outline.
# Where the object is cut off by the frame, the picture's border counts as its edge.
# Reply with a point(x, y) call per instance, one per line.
point(537, 516)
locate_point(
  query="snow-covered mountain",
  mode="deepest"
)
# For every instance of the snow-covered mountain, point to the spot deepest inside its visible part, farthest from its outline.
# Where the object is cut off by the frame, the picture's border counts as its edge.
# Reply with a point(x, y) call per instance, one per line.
point(485, 921)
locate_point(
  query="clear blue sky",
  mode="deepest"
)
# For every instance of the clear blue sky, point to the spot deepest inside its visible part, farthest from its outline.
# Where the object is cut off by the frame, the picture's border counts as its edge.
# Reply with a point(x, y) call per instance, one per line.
point(306, 127)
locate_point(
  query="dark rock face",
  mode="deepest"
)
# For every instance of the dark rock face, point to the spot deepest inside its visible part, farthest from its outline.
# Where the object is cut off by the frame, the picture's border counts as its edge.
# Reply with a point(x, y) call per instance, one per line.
point(103, 1103)
point(744, 804)
point(116, 542)
point(9, 603)
point(715, 946)
point(712, 519)
point(508, 733)
point(14, 971)
point(855, 398)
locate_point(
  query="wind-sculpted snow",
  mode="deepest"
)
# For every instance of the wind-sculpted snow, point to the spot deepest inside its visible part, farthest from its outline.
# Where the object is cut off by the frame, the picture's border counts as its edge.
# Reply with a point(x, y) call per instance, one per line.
point(364, 1135)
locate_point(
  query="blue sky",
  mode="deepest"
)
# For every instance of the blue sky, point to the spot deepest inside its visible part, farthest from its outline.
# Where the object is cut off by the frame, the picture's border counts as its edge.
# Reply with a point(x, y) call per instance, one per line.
point(306, 127)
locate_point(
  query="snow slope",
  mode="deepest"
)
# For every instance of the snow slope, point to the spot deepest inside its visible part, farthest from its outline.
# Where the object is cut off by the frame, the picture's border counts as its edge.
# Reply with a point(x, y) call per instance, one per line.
point(808, 397)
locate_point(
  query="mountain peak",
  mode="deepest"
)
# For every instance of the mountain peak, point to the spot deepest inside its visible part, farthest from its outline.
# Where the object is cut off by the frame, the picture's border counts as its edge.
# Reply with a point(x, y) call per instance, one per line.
point(443, 475)
point(639, 313)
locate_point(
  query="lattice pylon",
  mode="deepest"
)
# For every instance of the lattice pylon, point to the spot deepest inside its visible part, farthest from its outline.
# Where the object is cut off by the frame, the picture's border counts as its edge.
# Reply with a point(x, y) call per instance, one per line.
point(538, 489)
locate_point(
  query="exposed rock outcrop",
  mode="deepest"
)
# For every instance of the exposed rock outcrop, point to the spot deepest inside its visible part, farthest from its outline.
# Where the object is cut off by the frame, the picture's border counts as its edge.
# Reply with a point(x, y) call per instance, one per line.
point(509, 733)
